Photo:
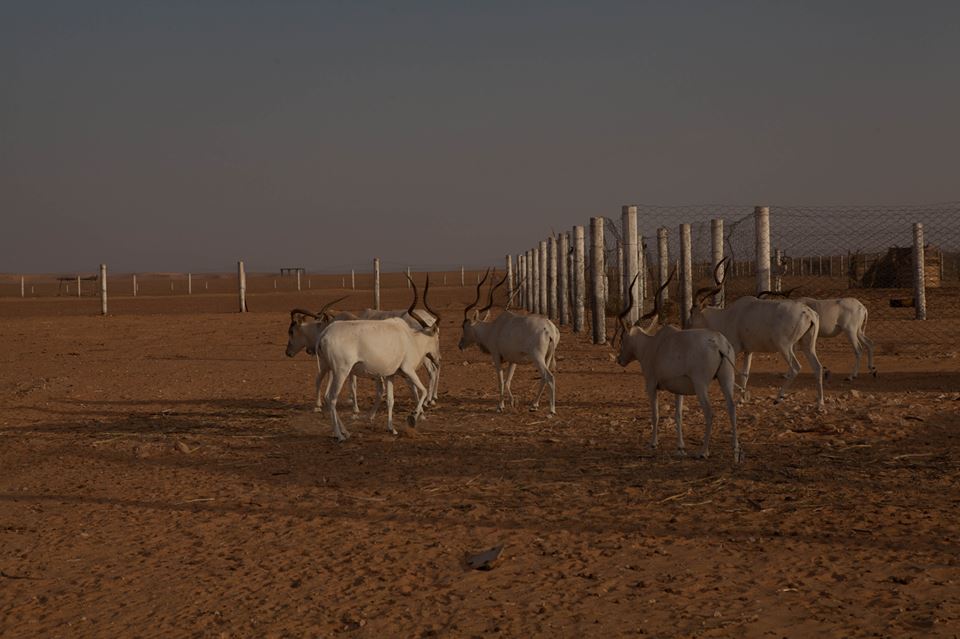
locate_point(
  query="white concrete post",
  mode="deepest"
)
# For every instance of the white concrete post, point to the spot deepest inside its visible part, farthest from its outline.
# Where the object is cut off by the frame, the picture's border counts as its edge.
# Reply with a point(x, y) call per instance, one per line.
point(686, 275)
point(134, 284)
point(596, 265)
point(552, 277)
point(563, 252)
point(663, 262)
point(298, 279)
point(376, 283)
point(353, 279)
point(242, 286)
point(919, 277)
point(579, 279)
point(533, 265)
point(620, 271)
point(189, 283)
point(274, 284)
point(79, 289)
point(23, 288)
point(536, 279)
point(762, 217)
point(509, 282)
point(631, 254)
point(103, 289)
point(716, 234)
point(544, 285)
point(463, 282)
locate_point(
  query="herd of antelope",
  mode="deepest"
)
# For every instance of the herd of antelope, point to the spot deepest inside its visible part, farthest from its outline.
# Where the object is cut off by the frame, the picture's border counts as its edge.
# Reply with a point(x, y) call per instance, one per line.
point(383, 344)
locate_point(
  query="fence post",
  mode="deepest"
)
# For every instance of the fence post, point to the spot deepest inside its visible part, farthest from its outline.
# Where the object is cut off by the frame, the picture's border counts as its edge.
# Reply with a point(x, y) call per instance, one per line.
point(509, 266)
point(134, 284)
point(716, 246)
point(778, 265)
point(663, 262)
point(23, 288)
point(298, 279)
point(79, 290)
point(641, 289)
point(462, 280)
point(353, 279)
point(189, 283)
point(761, 216)
point(376, 283)
point(631, 254)
point(579, 279)
point(919, 277)
point(544, 307)
point(596, 264)
point(563, 250)
point(620, 271)
point(103, 289)
point(552, 277)
point(242, 286)
point(686, 275)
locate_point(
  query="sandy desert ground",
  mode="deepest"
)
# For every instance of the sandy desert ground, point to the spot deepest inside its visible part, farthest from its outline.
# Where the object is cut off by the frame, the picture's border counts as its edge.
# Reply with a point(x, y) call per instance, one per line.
point(162, 474)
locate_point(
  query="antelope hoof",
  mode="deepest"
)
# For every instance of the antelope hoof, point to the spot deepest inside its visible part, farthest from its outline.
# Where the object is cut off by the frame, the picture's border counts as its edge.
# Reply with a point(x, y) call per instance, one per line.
point(826, 374)
point(412, 420)
point(873, 372)
point(342, 437)
point(737, 455)
point(318, 409)
point(703, 454)
point(534, 408)
point(849, 378)
point(551, 414)
point(681, 452)
point(392, 431)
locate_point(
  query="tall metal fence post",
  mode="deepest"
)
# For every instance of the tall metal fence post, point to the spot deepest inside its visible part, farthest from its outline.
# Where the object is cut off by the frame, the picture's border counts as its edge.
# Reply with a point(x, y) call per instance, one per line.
point(919, 277)
point(596, 262)
point(762, 218)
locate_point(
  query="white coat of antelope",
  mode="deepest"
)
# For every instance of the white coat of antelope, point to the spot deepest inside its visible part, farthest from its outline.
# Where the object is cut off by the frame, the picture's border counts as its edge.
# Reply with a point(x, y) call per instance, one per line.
point(754, 325)
point(682, 362)
point(513, 339)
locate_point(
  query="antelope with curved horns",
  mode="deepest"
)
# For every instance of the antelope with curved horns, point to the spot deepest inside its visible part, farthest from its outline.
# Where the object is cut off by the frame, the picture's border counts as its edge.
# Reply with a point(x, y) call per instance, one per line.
point(754, 325)
point(303, 335)
point(375, 348)
point(513, 339)
point(417, 320)
point(842, 315)
point(683, 362)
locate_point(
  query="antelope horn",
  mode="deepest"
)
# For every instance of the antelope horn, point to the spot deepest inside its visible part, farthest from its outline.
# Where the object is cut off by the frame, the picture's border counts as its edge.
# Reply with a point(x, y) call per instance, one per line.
point(479, 284)
point(656, 298)
point(490, 298)
point(426, 288)
point(410, 310)
point(326, 306)
point(786, 293)
point(622, 325)
point(300, 311)
point(516, 291)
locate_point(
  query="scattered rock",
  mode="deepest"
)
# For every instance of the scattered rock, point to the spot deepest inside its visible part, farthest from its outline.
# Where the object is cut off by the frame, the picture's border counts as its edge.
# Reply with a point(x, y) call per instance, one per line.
point(183, 448)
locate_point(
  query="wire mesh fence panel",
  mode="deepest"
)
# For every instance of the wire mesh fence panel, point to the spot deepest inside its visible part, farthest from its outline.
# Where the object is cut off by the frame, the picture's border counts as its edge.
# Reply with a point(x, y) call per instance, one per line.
point(867, 253)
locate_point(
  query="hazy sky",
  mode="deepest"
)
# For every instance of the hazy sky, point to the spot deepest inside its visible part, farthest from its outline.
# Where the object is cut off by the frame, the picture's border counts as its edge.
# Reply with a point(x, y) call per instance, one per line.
point(182, 136)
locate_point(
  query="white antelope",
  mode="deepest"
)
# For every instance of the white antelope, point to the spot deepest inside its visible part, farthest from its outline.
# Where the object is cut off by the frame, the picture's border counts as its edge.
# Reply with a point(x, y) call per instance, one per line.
point(378, 349)
point(513, 339)
point(683, 362)
point(303, 333)
point(841, 316)
point(754, 325)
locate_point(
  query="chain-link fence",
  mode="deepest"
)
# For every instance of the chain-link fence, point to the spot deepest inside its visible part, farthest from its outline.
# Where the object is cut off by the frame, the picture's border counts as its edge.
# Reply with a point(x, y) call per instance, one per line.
point(821, 252)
